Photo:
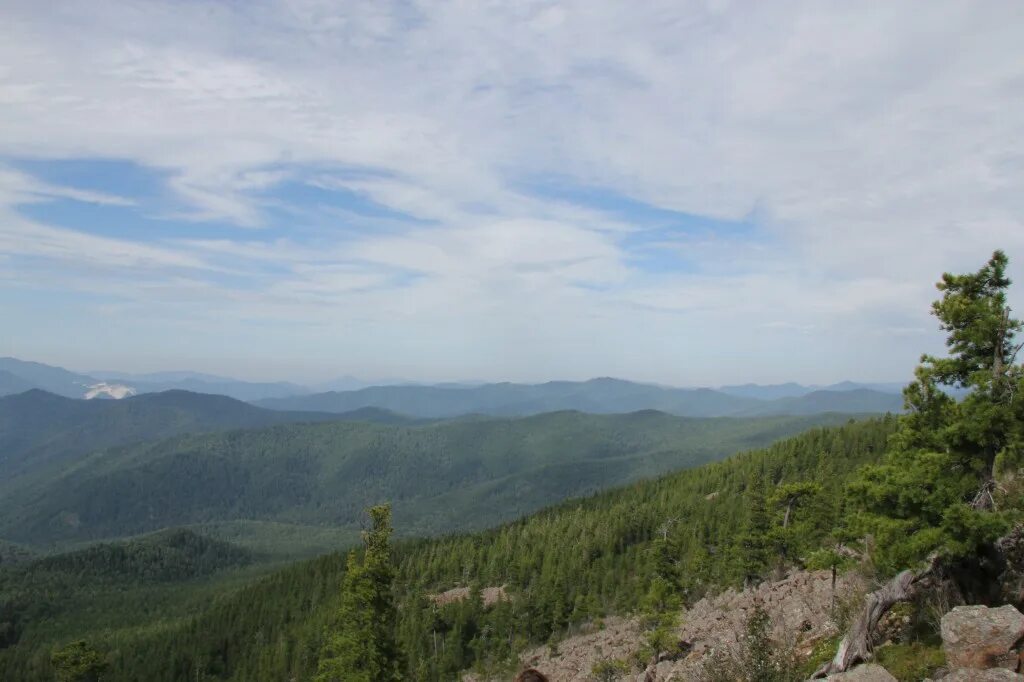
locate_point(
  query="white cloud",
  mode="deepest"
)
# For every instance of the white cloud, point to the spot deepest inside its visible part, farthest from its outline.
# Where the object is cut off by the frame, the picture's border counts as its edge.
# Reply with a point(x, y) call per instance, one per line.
point(875, 146)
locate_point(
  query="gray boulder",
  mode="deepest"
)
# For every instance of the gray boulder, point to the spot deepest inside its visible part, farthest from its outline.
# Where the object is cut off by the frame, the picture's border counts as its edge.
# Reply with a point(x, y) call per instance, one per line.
point(979, 637)
point(869, 672)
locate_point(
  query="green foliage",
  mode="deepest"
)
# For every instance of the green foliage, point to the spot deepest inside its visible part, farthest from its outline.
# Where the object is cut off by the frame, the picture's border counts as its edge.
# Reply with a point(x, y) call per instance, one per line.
point(464, 474)
point(755, 541)
point(763, 659)
point(562, 567)
point(119, 585)
point(609, 670)
point(78, 662)
point(917, 502)
point(911, 662)
point(758, 659)
point(824, 650)
point(827, 558)
point(41, 433)
point(362, 646)
point(980, 332)
point(166, 556)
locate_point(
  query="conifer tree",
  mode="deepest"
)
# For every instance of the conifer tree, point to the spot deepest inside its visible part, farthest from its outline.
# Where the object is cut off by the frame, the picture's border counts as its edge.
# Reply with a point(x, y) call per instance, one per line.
point(363, 647)
point(754, 542)
point(935, 495)
point(931, 493)
point(78, 662)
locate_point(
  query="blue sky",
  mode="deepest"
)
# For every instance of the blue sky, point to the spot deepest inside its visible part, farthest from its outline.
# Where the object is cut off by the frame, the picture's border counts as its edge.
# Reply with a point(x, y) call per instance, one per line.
point(689, 193)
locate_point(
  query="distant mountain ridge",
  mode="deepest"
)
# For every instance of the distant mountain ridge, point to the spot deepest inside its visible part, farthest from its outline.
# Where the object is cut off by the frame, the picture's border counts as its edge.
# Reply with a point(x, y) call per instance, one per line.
point(857, 401)
point(40, 429)
point(597, 396)
point(21, 375)
point(437, 400)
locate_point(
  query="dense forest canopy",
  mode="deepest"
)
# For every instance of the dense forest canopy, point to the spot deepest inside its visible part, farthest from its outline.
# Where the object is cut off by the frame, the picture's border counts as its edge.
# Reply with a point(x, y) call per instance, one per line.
point(456, 475)
point(563, 566)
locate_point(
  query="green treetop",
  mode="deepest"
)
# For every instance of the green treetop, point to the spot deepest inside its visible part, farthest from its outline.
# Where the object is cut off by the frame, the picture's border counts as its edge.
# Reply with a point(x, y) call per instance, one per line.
point(78, 662)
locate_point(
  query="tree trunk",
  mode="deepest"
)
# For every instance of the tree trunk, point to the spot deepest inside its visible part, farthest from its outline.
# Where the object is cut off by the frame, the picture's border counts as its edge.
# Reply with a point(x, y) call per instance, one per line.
point(984, 500)
point(856, 645)
point(789, 510)
point(834, 572)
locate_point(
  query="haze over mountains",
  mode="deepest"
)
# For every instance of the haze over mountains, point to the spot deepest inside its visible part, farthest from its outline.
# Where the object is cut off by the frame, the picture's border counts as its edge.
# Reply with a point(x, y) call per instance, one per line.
point(599, 396)
point(602, 395)
point(449, 456)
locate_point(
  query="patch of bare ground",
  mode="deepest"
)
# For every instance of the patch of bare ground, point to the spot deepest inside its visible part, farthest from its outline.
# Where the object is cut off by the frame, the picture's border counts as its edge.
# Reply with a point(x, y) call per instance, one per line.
point(489, 595)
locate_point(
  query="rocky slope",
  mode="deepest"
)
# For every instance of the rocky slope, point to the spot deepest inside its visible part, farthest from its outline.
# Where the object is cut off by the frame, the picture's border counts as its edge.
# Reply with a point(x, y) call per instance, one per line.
point(979, 643)
point(800, 607)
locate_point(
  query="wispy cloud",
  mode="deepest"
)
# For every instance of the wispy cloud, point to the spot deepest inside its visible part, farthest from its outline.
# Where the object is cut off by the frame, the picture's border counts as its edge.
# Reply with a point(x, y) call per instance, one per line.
point(839, 159)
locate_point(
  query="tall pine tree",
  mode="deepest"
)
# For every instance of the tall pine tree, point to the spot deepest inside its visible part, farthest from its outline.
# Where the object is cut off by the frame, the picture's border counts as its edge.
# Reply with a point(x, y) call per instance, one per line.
point(362, 648)
point(934, 492)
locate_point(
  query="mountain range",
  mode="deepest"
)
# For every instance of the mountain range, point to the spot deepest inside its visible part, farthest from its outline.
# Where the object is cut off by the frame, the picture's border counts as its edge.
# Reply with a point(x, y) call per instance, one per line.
point(605, 395)
point(597, 396)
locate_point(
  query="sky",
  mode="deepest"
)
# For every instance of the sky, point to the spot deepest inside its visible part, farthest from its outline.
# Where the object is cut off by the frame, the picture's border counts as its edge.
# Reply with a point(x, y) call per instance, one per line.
point(686, 193)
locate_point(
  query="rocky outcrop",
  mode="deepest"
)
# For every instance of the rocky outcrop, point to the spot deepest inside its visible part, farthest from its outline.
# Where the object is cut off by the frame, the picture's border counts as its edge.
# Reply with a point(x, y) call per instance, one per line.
point(574, 657)
point(980, 643)
point(864, 673)
point(489, 595)
point(991, 675)
point(799, 607)
point(977, 637)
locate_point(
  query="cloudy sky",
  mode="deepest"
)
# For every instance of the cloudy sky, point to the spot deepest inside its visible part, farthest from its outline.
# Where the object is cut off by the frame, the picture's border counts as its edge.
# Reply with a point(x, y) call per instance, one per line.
point(689, 193)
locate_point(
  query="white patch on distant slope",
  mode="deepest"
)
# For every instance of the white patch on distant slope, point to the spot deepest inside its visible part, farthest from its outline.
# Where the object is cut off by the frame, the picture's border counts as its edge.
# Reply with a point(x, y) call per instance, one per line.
point(103, 389)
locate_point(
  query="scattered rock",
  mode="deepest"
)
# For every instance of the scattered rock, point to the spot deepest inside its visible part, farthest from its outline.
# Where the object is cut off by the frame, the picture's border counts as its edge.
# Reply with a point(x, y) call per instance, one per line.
point(991, 675)
point(799, 607)
point(864, 673)
point(577, 654)
point(489, 595)
point(979, 637)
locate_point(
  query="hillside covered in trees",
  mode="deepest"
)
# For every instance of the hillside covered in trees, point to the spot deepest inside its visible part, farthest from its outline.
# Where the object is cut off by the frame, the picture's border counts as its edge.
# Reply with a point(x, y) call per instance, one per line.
point(566, 565)
point(42, 432)
point(460, 474)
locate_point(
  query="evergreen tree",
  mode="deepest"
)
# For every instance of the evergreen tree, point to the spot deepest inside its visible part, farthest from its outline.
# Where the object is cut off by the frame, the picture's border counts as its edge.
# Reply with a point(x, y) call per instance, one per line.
point(363, 647)
point(754, 542)
point(78, 662)
point(789, 499)
point(933, 491)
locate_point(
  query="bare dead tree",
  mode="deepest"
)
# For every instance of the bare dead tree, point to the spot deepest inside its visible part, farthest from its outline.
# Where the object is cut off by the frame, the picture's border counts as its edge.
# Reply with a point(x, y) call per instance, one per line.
point(856, 645)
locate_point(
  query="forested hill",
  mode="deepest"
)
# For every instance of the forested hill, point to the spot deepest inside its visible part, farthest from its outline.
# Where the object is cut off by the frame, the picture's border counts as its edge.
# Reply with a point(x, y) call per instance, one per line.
point(853, 401)
point(460, 474)
point(40, 429)
point(567, 564)
point(170, 555)
point(599, 396)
